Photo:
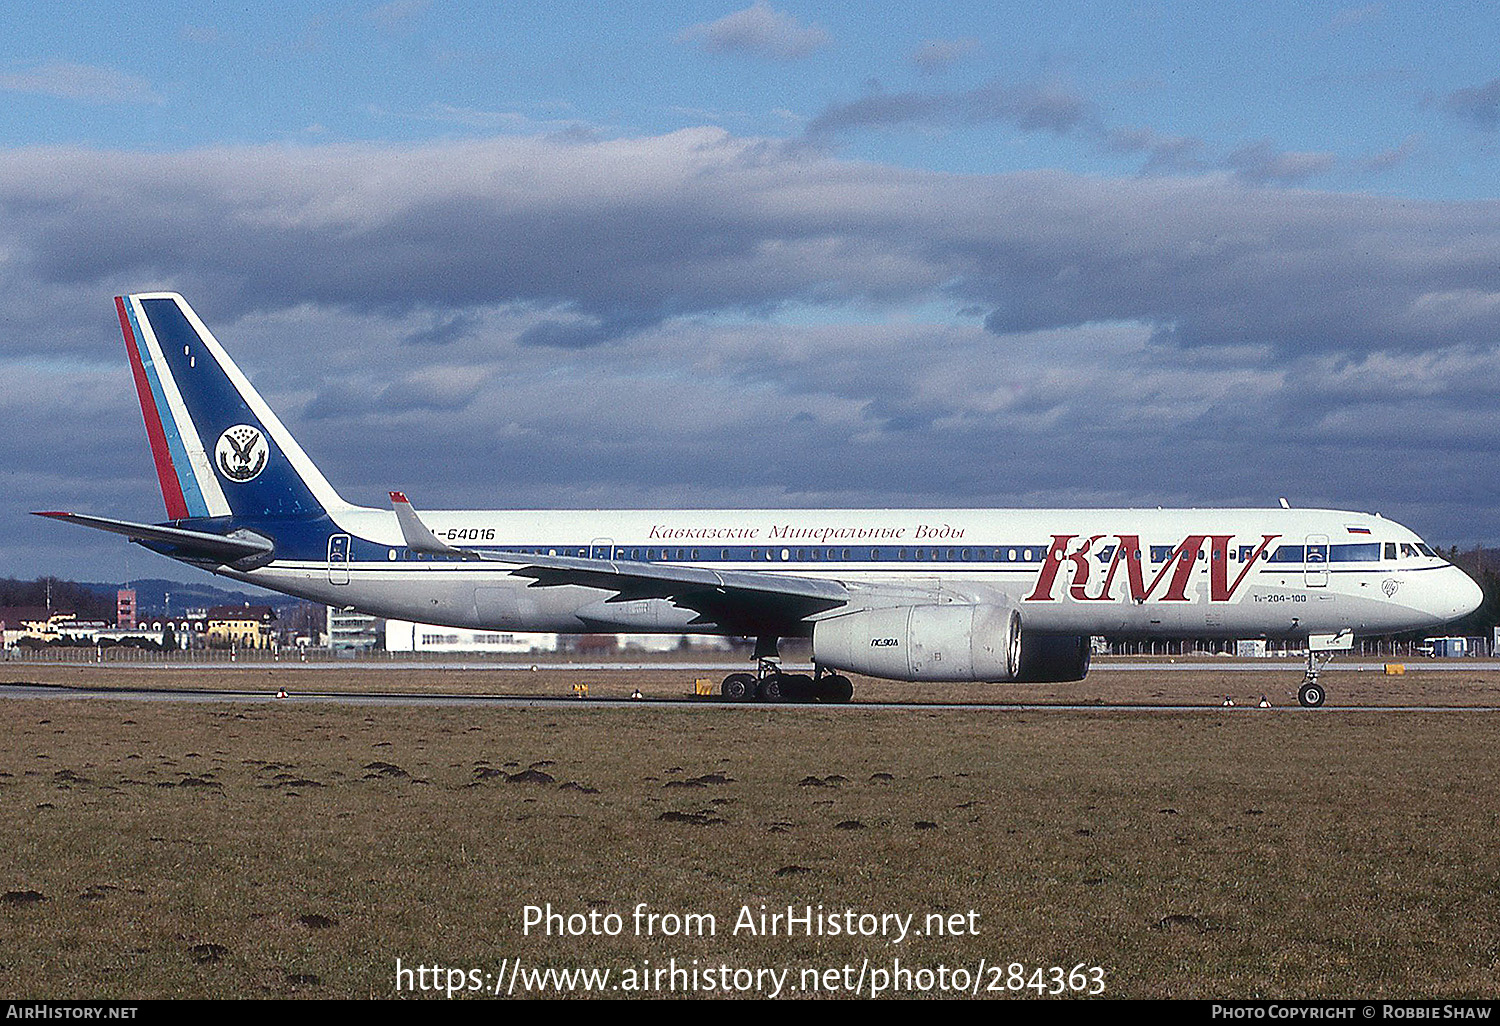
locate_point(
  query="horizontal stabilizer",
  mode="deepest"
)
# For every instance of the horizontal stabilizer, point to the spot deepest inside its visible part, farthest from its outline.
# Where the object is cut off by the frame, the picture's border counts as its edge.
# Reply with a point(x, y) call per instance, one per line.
point(224, 548)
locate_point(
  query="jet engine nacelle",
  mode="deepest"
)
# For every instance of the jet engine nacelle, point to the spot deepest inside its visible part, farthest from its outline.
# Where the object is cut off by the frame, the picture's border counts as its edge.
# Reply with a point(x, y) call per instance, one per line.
point(1053, 658)
point(956, 642)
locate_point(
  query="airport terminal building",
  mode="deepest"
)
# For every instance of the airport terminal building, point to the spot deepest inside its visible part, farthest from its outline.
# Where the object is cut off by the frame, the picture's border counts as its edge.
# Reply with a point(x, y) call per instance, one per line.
point(405, 636)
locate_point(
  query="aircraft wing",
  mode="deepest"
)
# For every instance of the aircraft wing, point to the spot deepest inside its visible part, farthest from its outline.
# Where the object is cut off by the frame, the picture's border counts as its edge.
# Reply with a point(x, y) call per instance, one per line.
point(189, 544)
point(739, 601)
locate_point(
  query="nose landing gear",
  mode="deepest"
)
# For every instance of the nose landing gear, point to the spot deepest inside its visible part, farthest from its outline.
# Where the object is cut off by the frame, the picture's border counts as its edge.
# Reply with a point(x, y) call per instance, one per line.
point(1312, 693)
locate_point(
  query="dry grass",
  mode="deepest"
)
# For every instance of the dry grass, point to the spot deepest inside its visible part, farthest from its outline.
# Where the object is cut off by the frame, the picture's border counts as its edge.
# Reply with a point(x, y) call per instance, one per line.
point(1207, 854)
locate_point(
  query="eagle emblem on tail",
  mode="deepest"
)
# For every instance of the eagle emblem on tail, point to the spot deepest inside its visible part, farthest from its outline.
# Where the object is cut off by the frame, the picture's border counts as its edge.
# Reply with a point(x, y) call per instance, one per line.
point(241, 453)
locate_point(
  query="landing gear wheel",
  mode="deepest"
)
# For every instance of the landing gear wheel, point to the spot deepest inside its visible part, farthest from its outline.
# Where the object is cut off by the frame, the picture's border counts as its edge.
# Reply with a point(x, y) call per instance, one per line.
point(773, 688)
point(798, 687)
point(1311, 694)
point(836, 689)
point(738, 687)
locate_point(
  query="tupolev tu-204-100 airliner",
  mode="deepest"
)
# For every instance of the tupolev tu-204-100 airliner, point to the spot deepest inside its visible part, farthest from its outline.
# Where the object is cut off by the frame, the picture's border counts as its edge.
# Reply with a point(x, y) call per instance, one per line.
point(913, 595)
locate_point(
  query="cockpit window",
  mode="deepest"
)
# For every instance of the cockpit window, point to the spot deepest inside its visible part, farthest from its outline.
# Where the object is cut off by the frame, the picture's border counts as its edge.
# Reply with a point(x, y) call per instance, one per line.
point(1425, 550)
point(1390, 550)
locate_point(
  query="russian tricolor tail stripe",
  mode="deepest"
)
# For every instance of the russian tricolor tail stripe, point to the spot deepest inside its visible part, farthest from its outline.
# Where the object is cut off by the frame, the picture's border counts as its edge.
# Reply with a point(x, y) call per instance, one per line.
point(166, 474)
point(188, 488)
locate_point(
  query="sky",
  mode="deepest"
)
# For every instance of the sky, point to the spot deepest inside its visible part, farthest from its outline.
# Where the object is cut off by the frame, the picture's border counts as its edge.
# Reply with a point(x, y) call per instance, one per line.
point(789, 254)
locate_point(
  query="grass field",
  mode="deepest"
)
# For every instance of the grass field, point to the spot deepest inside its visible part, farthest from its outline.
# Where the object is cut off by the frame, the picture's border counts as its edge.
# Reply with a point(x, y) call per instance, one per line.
point(162, 850)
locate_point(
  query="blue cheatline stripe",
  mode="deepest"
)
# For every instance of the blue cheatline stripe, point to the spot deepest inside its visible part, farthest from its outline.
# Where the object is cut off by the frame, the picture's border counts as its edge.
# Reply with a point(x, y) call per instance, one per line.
point(192, 495)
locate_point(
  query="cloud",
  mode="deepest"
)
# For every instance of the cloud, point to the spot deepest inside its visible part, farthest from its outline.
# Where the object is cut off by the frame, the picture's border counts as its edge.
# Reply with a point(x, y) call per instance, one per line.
point(1262, 162)
point(1058, 108)
point(602, 239)
point(937, 55)
point(1476, 106)
point(701, 319)
point(759, 30)
point(444, 331)
point(478, 119)
point(438, 388)
point(1394, 157)
point(1164, 153)
point(83, 82)
point(1031, 107)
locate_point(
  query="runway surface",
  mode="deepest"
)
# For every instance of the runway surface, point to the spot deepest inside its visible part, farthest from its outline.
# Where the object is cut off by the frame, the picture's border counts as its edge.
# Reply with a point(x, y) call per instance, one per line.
point(52, 691)
point(1289, 665)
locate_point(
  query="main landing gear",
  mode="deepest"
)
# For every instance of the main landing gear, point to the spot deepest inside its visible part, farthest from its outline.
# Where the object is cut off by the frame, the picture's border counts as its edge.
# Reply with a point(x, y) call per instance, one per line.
point(1312, 694)
point(769, 684)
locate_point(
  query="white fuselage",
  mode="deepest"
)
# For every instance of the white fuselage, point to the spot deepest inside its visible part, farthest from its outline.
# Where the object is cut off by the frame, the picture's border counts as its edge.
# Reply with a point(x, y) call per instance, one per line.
point(1127, 572)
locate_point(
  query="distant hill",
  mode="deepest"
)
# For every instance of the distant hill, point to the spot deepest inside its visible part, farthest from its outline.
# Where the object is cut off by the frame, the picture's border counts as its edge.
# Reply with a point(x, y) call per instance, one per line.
point(151, 595)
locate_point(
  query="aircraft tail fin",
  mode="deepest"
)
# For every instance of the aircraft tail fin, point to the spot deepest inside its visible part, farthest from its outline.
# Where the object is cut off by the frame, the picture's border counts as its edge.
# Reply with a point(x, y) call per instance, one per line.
point(219, 449)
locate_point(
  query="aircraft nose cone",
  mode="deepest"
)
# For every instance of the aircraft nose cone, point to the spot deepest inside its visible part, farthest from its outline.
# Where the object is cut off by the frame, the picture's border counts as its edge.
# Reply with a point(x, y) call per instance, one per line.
point(1467, 595)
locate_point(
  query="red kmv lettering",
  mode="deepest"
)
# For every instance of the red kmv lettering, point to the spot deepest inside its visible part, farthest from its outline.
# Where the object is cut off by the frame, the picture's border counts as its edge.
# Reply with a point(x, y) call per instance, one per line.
point(1219, 588)
point(1056, 556)
point(1177, 571)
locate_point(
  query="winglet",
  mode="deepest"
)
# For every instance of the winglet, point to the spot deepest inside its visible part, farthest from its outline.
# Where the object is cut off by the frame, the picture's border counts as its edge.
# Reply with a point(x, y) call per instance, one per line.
point(417, 535)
